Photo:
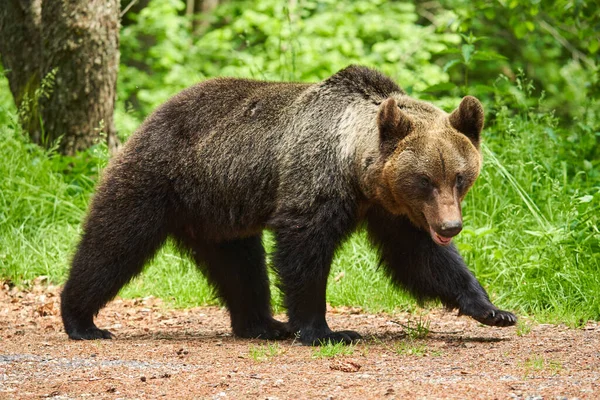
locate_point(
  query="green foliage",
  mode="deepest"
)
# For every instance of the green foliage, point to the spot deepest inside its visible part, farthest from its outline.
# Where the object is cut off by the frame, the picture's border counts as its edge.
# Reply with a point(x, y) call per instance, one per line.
point(532, 219)
point(7, 106)
point(267, 40)
point(438, 48)
point(40, 210)
point(555, 42)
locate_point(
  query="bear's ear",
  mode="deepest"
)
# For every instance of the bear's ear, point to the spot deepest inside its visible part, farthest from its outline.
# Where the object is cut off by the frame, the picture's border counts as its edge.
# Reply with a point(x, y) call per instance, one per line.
point(393, 125)
point(468, 119)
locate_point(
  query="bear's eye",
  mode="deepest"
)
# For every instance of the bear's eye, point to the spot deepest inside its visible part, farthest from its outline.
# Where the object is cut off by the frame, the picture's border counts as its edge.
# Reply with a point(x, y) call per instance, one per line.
point(425, 182)
point(460, 180)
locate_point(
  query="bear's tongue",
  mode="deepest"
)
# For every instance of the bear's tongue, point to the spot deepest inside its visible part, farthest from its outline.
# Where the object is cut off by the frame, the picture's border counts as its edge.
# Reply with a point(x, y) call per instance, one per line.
point(441, 240)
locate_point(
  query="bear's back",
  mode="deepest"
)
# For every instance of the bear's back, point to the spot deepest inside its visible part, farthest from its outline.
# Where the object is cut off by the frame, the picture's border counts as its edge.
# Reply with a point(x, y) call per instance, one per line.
point(235, 152)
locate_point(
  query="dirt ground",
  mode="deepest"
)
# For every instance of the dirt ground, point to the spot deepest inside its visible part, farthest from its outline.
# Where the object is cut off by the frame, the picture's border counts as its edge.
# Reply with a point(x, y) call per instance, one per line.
point(167, 353)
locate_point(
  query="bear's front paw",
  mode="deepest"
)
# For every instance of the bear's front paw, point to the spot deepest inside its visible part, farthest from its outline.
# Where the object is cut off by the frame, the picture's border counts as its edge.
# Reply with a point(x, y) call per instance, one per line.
point(346, 337)
point(497, 318)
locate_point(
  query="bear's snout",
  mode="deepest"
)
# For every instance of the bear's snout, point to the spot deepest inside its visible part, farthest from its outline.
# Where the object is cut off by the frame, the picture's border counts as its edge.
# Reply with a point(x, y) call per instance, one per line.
point(449, 228)
point(443, 233)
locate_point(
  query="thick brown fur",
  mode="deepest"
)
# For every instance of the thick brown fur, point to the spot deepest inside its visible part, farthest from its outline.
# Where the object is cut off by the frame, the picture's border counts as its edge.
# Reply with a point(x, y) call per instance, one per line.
point(227, 158)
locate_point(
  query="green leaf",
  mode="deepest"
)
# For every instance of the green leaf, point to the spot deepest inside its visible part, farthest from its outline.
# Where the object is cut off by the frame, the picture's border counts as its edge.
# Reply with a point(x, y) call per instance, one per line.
point(488, 55)
point(484, 231)
point(483, 88)
point(586, 199)
point(440, 87)
point(467, 51)
point(450, 64)
point(530, 26)
point(450, 50)
point(472, 39)
point(520, 31)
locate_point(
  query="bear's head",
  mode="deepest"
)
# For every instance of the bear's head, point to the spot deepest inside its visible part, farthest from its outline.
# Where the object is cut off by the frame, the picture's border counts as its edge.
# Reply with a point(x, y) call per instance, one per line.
point(428, 160)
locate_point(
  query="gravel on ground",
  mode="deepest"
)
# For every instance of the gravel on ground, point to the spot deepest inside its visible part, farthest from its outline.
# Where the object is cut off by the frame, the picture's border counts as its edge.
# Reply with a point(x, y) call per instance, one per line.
point(169, 353)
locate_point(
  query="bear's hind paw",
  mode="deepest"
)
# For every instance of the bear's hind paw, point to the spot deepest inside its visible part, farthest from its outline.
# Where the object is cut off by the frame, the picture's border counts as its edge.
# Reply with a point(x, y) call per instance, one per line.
point(269, 329)
point(92, 333)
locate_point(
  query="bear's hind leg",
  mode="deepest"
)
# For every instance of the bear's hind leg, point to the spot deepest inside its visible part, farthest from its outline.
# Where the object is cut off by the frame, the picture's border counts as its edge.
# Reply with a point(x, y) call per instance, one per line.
point(430, 271)
point(237, 270)
point(120, 235)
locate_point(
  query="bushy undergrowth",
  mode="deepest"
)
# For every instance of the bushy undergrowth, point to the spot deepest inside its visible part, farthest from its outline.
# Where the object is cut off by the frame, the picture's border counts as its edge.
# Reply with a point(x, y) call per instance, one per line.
point(274, 40)
point(533, 218)
point(531, 221)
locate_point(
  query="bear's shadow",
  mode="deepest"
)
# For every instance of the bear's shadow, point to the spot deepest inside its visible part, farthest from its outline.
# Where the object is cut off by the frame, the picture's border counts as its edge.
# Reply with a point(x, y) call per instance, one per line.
point(452, 337)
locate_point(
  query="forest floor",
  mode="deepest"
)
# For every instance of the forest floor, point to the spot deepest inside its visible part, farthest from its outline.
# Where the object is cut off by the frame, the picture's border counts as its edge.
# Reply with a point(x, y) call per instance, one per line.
point(161, 352)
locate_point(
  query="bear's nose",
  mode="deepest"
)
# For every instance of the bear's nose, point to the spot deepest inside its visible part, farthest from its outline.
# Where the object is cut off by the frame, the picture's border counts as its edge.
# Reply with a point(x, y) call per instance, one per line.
point(450, 228)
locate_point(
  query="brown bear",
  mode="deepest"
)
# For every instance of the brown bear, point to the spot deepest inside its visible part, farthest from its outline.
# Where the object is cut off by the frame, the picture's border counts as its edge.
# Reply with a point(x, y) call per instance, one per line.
point(227, 158)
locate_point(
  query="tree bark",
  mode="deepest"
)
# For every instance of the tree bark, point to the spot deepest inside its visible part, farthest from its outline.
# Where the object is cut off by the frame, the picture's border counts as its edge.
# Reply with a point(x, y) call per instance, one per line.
point(20, 48)
point(79, 40)
point(195, 7)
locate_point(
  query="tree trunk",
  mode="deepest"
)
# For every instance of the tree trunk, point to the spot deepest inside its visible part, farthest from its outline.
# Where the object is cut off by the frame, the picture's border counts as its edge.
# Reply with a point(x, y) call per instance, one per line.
point(20, 48)
point(79, 40)
point(203, 7)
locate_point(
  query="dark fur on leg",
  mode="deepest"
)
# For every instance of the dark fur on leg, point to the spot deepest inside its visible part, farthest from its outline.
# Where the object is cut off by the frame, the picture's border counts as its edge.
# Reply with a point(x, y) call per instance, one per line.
point(98, 272)
point(305, 248)
point(119, 237)
point(430, 271)
point(236, 268)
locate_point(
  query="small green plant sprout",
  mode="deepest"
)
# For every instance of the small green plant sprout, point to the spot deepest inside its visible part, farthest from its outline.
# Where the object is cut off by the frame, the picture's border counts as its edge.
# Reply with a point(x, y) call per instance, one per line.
point(537, 363)
point(264, 352)
point(416, 330)
point(523, 328)
point(468, 54)
point(410, 348)
point(331, 350)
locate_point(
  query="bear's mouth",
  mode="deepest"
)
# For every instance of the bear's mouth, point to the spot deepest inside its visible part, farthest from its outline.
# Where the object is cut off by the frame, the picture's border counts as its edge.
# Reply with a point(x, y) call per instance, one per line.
point(439, 239)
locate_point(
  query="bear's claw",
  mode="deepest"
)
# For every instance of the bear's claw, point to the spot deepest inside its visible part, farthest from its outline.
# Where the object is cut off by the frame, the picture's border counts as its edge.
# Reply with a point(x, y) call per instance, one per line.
point(346, 337)
point(498, 318)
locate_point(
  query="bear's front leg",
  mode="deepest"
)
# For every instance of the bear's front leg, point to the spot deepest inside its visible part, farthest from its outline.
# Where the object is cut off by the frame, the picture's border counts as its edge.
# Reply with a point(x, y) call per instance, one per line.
point(430, 271)
point(305, 249)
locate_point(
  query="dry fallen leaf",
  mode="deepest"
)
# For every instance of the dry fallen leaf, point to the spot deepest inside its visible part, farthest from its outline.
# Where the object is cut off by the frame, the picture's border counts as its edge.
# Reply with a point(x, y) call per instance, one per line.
point(345, 366)
point(45, 309)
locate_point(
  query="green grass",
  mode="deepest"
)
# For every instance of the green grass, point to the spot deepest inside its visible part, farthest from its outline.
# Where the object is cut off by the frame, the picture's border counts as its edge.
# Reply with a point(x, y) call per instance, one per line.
point(416, 330)
point(531, 223)
point(537, 364)
point(410, 348)
point(332, 350)
point(264, 352)
point(523, 328)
